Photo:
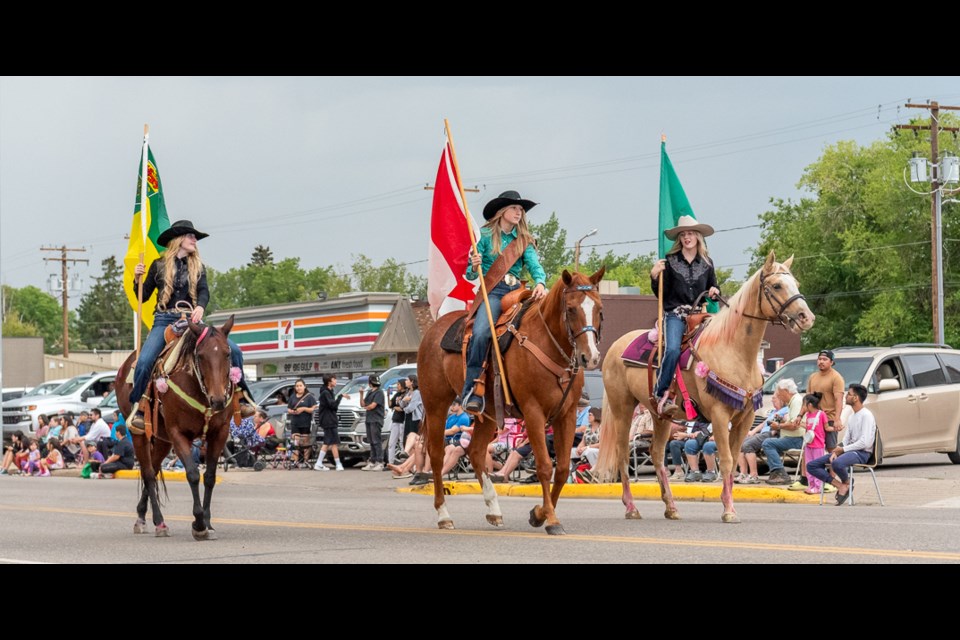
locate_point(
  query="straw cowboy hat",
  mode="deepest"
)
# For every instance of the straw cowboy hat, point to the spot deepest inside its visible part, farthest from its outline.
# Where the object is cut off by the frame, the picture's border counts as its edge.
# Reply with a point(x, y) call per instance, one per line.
point(506, 199)
point(180, 228)
point(688, 223)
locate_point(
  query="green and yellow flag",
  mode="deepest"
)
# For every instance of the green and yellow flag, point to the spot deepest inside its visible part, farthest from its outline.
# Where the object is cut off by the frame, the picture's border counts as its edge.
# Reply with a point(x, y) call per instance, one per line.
point(156, 222)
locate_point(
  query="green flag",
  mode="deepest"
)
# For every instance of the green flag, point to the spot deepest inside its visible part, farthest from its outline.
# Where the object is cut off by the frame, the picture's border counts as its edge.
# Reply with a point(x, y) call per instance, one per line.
point(673, 201)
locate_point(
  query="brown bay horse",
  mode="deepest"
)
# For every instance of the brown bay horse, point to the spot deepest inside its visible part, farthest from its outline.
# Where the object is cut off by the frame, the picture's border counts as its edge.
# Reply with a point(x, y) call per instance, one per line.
point(565, 328)
point(197, 403)
point(728, 346)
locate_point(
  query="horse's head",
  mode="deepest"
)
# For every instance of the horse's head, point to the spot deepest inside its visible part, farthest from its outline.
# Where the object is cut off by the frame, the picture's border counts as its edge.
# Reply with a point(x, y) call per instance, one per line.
point(780, 296)
point(583, 315)
point(212, 361)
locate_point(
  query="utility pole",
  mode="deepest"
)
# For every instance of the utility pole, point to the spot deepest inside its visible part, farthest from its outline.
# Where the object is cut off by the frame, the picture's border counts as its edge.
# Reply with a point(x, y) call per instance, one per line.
point(63, 260)
point(936, 226)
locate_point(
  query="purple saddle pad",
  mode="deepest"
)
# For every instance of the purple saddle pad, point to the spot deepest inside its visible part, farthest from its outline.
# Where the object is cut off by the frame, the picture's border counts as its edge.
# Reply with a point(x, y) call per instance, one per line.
point(638, 352)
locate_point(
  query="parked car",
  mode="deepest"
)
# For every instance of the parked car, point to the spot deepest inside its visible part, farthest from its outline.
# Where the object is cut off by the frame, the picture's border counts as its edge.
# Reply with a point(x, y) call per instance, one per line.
point(50, 386)
point(75, 395)
point(12, 393)
point(351, 418)
point(913, 391)
point(593, 385)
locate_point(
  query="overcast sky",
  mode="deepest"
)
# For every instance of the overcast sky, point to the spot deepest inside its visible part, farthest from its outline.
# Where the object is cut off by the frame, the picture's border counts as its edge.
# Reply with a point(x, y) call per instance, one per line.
point(326, 168)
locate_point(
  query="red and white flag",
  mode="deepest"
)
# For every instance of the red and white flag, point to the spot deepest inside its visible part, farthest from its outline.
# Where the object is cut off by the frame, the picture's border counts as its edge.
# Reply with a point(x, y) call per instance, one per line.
point(447, 287)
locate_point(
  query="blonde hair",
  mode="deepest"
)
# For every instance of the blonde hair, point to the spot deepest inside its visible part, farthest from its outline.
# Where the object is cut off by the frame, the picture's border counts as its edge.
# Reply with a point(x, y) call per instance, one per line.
point(701, 245)
point(523, 232)
point(194, 271)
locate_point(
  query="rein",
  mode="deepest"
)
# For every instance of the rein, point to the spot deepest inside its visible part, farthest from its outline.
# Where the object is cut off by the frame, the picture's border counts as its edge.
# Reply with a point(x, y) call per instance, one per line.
point(766, 293)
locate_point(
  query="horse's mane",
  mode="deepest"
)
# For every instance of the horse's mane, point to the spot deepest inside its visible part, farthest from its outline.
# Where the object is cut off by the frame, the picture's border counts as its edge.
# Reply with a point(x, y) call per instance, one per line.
point(189, 346)
point(725, 324)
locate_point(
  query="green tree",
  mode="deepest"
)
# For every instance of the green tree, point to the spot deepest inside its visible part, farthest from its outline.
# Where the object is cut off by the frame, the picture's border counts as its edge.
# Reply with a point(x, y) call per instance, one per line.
point(262, 256)
point(389, 276)
point(271, 283)
point(13, 327)
point(30, 305)
point(552, 248)
point(862, 245)
point(105, 319)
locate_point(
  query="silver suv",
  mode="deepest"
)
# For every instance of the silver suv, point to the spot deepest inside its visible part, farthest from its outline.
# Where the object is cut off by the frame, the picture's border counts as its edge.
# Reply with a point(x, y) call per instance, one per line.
point(913, 391)
point(75, 395)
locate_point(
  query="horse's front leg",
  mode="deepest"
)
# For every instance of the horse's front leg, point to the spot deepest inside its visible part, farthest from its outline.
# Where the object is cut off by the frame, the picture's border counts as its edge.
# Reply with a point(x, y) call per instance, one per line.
point(661, 434)
point(148, 476)
point(183, 446)
point(726, 449)
point(214, 449)
point(536, 433)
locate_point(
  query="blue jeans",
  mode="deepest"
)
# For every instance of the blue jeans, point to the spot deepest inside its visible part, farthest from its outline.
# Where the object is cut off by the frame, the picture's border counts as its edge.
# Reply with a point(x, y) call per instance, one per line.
point(772, 447)
point(152, 347)
point(482, 335)
point(675, 327)
point(691, 448)
point(840, 466)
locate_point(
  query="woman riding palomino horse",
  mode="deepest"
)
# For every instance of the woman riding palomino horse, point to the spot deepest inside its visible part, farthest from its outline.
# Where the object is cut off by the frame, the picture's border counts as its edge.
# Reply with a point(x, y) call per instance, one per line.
point(726, 382)
point(687, 272)
point(558, 335)
point(178, 276)
point(506, 223)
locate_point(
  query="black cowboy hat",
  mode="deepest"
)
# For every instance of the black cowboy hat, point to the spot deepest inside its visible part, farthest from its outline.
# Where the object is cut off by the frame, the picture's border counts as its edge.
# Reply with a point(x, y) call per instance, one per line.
point(506, 199)
point(179, 228)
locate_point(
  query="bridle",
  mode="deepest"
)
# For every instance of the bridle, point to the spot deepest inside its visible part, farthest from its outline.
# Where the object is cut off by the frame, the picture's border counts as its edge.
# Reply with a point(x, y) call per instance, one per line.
point(766, 293)
point(199, 373)
point(573, 360)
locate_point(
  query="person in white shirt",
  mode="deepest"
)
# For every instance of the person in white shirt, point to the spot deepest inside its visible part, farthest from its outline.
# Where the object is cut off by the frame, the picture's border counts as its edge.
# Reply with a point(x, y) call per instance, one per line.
point(99, 430)
point(856, 448)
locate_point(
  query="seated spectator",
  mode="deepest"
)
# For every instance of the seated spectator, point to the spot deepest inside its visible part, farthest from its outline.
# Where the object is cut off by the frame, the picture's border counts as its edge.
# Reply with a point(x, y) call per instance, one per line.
point(83, 423)
point(43, 428)
point(53, 459)
point(14, 453)
point(860, 431)
point(522, 449)
point(93, 456)
point(754, 442)
point(122, 456)
point(680, 434)
point(72, 445)
point(791, 432)
point(454, 451)
point(99, 430)
point(246, 432)
point(702, 441)
point(31, 464)
point(589, 447)
point(264, 427)
point(54, 429)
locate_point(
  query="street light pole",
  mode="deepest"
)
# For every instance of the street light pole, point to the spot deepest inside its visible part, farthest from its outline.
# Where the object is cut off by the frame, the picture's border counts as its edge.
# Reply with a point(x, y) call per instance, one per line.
point(576, 250)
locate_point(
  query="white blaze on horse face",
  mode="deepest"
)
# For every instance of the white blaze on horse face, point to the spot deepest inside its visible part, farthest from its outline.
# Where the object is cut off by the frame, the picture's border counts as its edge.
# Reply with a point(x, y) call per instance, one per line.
point(490, 497)
point(587, 305)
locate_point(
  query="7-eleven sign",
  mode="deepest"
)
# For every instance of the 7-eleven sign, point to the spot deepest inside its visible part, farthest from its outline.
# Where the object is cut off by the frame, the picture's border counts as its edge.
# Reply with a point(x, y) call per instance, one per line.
point(286, 334)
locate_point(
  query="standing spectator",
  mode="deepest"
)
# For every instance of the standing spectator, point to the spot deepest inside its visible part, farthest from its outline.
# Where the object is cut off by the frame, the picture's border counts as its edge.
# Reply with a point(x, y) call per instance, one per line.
point(300, 409)
point(374, 403)
point(791, 432)
point(328, 405)
point(814, 421)
point(412, 407)
point(14, 452)
point(856, 448)
point(122, 456)
point(396, 421)
point(828, 382)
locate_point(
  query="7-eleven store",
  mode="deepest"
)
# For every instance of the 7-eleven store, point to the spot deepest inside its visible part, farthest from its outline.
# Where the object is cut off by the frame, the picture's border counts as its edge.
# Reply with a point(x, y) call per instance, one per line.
point(353, 334)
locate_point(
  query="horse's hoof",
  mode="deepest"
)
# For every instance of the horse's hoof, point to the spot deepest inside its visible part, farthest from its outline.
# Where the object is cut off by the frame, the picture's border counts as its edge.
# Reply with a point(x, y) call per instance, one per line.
point(211, 534)
point(556, 530)
point(162, 531)
point(496, 521)
point(200, 535)
point(633, 514)
point(534, 520)
point(730, 518)
point(445, 524)
point(671, 515)
point(140, 526)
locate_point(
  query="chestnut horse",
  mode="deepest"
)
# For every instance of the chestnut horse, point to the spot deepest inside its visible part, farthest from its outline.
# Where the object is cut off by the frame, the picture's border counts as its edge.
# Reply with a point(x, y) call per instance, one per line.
point(565, 328)
point(197, 403)
point(728, 346)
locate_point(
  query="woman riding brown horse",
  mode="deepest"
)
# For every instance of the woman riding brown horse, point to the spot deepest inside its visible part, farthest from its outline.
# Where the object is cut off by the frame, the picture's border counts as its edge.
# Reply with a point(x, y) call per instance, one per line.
point(196, 402)
point(558, 336)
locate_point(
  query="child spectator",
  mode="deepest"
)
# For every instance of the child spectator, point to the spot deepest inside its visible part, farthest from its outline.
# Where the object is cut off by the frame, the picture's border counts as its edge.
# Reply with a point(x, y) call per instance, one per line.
point(816, 422)
point(54, 458)
point(31, 466)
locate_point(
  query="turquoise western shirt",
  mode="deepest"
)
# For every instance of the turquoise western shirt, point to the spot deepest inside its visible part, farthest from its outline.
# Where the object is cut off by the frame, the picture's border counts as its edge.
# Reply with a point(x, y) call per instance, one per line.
point(528, 259)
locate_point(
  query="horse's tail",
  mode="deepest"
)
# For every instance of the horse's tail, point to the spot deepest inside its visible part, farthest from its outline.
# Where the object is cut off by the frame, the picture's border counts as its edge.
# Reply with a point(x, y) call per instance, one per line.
point(613, 446)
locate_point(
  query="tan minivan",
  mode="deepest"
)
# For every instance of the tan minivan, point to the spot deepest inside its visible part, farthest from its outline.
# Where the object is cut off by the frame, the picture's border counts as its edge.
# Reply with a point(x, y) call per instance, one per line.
point(914, 393)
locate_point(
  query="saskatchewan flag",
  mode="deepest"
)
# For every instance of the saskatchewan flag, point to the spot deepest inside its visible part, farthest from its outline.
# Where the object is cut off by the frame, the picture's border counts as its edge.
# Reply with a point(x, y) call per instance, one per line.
point(157, 222)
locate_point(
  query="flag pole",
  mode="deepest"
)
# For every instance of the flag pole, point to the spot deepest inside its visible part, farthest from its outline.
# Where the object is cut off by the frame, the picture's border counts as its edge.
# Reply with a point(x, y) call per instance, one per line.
point(663, 329)
point(483, 285)
point(143, 234)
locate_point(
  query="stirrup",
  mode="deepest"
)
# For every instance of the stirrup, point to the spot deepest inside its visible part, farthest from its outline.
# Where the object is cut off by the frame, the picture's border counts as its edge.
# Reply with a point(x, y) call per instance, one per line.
point(475, 407)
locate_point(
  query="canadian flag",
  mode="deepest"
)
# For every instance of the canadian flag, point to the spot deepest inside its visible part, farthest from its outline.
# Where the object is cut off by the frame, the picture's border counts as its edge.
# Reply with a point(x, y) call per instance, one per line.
point(447, 287)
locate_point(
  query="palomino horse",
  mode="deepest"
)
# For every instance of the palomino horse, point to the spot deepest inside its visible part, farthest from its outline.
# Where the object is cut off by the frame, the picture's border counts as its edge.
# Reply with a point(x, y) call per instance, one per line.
point(565, 329)
point(728, 346)
point(196, 404)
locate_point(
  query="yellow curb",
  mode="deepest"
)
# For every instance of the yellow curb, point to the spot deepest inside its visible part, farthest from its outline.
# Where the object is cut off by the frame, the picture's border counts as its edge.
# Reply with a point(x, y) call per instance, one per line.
point(168, 476)
point(694, 492)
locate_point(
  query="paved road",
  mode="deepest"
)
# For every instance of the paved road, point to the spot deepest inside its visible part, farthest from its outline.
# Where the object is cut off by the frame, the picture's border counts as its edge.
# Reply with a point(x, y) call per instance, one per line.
point(354, 517)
